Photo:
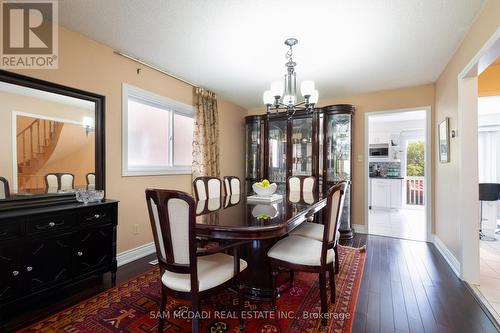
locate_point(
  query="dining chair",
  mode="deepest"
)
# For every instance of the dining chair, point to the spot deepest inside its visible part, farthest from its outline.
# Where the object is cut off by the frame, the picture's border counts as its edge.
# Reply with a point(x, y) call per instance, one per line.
point(66, 181)
point(185, 271)
point(51, 182)
point(90, 177)
point(4, 188)
point(232, 185)
point(315, 231)
point(207, 187)
point(310, 255)
point(301, 184)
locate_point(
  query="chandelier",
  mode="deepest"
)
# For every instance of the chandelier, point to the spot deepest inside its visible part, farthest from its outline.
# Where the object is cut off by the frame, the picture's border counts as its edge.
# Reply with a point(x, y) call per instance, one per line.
point(283, 96)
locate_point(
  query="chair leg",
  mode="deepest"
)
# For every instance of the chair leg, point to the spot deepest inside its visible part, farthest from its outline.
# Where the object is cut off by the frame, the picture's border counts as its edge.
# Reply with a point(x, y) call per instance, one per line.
point(337, 263)
point(322, 291)
point(241, 305)
point(331, 275)
point(163, 304)
point(274, 272)
point(195, 324)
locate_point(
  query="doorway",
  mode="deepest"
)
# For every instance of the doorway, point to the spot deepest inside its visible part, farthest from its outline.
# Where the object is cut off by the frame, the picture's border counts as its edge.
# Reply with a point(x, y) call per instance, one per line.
point(398, 173)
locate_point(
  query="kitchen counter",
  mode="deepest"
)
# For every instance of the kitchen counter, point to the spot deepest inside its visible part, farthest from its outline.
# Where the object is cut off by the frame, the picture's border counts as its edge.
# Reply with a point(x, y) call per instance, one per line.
point(385, 177)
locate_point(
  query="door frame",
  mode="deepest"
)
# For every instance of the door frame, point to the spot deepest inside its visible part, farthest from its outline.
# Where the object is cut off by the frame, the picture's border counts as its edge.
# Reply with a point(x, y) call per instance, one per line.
point(468, 173)
point(428, 164)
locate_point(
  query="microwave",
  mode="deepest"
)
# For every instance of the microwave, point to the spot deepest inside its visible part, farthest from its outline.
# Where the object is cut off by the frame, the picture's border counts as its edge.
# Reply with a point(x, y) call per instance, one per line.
point(379, 150)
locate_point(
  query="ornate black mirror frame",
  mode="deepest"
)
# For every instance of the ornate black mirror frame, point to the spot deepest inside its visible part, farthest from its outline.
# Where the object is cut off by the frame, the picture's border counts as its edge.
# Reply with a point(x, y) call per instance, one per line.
point(99, 101)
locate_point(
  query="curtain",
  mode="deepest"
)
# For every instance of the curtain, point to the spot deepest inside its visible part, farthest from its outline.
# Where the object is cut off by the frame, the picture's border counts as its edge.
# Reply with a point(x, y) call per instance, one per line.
point(489, 156)
point(206, 135)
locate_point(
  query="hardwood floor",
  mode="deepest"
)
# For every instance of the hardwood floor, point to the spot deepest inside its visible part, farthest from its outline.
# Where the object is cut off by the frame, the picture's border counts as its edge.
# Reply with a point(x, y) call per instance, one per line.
point(407, 287)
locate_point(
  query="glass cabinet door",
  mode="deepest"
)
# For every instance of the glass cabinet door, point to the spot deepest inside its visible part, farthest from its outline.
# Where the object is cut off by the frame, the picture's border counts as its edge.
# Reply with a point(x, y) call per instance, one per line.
point(253, 150)
point(302, 147)
point(338, 148)
point(277, 150)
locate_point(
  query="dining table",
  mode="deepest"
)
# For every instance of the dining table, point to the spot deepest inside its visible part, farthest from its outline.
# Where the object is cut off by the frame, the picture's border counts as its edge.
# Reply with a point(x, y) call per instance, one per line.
point(258, 225)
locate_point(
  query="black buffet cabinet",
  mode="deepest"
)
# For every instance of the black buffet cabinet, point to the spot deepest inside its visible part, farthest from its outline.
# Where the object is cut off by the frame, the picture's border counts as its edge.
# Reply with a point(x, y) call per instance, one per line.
point(44, 249)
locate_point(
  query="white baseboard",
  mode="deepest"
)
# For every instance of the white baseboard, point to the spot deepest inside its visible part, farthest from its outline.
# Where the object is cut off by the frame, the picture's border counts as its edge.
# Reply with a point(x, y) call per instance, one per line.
point(360, 228)
point(136, 253)
point(448, 256)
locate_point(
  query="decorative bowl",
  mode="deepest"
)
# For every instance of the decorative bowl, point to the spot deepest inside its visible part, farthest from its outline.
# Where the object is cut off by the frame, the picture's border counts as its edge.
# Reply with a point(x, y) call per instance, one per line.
point(264, 191)
point(264, 212)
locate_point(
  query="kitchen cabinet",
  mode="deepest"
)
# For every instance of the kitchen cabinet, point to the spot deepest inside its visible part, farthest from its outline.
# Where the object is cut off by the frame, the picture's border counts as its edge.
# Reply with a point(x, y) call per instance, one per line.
point(386, 193)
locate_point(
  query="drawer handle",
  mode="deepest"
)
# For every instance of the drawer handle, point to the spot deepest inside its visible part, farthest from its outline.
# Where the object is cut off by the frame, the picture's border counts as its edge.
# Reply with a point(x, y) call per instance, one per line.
point(29, 269)
point(15, 273)
point(79, 253)
point(52, 224)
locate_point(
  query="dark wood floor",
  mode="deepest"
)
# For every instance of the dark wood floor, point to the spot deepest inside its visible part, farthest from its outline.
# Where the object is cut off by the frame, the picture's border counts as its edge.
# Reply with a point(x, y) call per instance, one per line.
point(407, 287)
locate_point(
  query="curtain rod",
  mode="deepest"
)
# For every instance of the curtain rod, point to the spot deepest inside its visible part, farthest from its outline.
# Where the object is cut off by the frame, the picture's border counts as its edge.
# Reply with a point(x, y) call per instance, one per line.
point(153, 67)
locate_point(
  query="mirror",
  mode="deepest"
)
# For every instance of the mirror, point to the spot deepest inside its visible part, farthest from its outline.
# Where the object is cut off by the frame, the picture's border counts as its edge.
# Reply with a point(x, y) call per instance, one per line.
point(51, 139)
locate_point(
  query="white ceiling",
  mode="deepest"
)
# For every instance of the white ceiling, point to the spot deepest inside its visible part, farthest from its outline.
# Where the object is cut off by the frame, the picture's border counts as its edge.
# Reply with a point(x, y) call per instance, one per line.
point(236, 49)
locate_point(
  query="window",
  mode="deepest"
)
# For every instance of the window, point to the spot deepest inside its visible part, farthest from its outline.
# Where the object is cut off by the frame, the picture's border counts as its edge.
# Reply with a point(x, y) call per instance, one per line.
point(157, 134)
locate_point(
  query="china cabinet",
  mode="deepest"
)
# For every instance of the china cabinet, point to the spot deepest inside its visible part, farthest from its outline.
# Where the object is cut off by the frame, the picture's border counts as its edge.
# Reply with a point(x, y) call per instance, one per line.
point(308, 144)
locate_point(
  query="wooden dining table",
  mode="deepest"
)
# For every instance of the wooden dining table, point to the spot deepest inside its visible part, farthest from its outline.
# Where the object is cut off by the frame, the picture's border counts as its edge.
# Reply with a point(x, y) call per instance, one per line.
point(238, 218)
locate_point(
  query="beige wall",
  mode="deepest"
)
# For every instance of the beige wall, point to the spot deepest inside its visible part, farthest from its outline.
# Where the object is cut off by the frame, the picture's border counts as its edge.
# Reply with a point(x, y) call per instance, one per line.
point(488, 82)
point(91, 66)
point(446, 175)
point(411, 97)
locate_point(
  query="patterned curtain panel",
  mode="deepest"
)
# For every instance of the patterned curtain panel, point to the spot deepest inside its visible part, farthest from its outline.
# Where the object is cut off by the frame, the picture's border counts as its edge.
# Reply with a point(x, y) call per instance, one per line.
point(206, 135)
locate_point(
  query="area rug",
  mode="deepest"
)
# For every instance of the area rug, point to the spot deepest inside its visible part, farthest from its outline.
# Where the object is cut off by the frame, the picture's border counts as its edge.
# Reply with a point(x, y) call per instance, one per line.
point(132, 306)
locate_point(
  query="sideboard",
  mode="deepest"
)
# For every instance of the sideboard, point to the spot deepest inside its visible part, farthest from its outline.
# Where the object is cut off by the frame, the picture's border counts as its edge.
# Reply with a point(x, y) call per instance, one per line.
point(45, 249)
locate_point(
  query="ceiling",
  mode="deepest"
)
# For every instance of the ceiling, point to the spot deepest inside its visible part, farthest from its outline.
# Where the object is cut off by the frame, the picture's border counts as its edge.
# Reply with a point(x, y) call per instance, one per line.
point(236, 49)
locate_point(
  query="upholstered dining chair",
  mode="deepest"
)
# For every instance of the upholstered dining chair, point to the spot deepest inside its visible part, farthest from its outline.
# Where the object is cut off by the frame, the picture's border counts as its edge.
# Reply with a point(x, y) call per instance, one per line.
point(311, 255)
point(51, 182)
point(185, 271)
point(90, 177)
point(301, 184)
point(232, 185)
point(315, 231)
point(4, 188)
point(207, 187)
point(66, 181)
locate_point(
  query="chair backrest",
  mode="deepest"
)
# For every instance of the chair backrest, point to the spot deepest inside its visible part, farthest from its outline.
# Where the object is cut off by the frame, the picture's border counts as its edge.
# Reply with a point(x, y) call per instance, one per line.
point(172, 216)
point(66, 181)
point(232, 185)
point(334, 206)
point(301, 184)
point(51, 181)
point(207, 187)
point(90, 177)
point(4, 188)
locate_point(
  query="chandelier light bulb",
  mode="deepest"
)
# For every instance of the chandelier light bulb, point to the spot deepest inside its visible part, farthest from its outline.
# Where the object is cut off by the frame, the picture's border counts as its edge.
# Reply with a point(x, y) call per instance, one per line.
point(307, 88)
point(277, 88)
point(268, 97)
point(314, 97)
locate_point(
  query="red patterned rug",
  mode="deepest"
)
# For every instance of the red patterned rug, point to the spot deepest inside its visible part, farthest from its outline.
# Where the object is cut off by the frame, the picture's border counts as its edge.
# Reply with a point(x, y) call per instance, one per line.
point(133, 306)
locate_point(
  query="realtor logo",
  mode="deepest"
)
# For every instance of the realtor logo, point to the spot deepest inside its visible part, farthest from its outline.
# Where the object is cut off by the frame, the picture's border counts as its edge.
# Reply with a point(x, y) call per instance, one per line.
point(29, 34)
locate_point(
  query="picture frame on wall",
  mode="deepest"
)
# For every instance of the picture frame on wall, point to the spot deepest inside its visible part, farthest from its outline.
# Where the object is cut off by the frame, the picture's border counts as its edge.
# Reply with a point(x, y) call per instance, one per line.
point(444, 140)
